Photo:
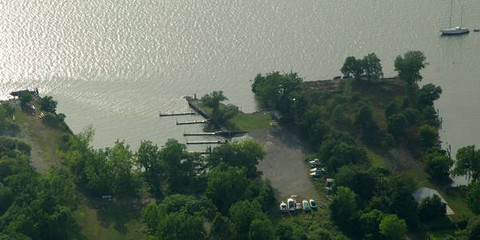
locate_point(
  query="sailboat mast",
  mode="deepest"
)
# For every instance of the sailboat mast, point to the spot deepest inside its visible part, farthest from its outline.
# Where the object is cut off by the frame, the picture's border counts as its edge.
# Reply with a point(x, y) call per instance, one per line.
point(451, 7)
point(461, 18)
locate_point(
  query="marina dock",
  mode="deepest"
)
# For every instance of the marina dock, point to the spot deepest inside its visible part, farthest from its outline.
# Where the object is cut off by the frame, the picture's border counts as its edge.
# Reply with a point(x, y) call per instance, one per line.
point(207, 142)
point(192, 122)
point(176, 114)
point(201, 134)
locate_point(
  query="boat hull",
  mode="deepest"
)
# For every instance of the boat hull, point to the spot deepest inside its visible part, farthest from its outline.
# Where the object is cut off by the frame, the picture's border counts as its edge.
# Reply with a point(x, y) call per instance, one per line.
point(455, 31)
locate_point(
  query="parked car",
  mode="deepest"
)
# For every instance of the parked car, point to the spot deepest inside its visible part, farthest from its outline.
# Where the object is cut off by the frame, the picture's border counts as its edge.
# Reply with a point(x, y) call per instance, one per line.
point(313, 204)
point(317, 169)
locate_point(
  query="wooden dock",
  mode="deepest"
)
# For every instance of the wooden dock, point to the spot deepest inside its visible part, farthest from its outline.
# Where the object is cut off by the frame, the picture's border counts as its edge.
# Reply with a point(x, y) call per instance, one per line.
point(201, 134)
point(192, 122)
point(207, 142)
point(176, 114)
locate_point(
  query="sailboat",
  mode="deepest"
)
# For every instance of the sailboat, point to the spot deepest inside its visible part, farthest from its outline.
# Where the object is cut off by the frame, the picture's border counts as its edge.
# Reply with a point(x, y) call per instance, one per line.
point(458, 30)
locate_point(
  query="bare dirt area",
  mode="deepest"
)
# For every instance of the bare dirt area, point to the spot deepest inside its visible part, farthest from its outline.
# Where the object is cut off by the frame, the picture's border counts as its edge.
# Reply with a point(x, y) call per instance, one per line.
point(284, 165)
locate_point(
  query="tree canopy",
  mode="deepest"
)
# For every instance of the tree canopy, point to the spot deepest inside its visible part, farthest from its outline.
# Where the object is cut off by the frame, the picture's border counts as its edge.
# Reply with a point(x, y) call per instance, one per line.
point(409, 66)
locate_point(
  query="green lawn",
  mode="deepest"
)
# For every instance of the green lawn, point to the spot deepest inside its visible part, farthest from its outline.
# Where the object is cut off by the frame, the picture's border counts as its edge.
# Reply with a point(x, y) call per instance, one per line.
point(246, 122)
point(114, 223)
point(377, 160)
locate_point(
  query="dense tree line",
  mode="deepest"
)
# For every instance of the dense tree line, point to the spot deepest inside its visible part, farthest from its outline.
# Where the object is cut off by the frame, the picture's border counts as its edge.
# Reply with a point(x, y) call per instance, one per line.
point(33, 206)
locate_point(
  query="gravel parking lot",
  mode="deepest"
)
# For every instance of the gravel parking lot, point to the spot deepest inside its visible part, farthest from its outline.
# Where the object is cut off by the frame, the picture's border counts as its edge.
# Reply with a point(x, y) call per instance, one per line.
point(283, 164)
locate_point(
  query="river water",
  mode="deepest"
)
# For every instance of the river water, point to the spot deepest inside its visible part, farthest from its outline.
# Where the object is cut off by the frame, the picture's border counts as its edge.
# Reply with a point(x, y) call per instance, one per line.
point(116, 64)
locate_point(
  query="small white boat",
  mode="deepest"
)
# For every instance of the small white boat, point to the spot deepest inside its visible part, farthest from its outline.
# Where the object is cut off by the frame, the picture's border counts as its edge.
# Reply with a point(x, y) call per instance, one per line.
point(283, 207)
point(291, 204)
point(313, 204)
point(306, 207)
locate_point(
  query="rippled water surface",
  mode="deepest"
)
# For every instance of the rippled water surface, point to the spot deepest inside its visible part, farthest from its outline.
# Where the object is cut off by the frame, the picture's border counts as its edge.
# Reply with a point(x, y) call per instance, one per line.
point(116, 64)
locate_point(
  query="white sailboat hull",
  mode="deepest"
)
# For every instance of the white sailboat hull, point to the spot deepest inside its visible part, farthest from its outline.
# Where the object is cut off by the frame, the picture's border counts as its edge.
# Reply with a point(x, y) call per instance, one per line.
point(455, 31)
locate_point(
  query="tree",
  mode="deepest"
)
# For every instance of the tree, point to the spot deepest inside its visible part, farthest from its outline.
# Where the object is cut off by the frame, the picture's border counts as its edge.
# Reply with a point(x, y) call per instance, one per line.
point(409, 66)
point(226, 186)
point(242, 214)
point(266, 197)
point(345, 154)
point(472, 231)
point(370, 223)
point(261, 229)
point(396, 125)
point(393, 228)
point(353, 67)
point(148, 157)
point(247, 153)
point(213, 99)
point(344, 208)
point(391, 109)
point(473, 198)
point(364, 120)
point(399, 200)
point(428, 136)
point(220, 228)
point(179, 225)
point(48, 104)
point(372, 67)
point(277, 90)
point(438, 164)
point(431, 208)
point(25, 98)
point(358, 179)
point(120, 165)
point(468, 162)
point(428, 94)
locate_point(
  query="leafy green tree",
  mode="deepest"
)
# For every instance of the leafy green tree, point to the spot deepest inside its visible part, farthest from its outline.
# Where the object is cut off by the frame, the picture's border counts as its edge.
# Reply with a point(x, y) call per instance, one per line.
point(473, 198)
point(431, 208)
point(226, 186)
point(345, 154)
point(393, 228)
point(220, 228)
point(213, 99)
point(261, 229)
point(25, 99)
point(120, 163)
point(311, 125)
point(48, 104)
point(391, 109)
point(428, 94)
point(370, 223)
point(266, 197)
point(399, 200)
point(438, 164)
point(396, 125)
point(468, 162)
point(364, 120)
point(472, 231)
point(148, 157)
point(179, 225)
point(352, 67)
point(358, 179)
point(242, 214)
point(277, 90)
point(372, 67)
point(409, 66)
point(428, 136)
point(343, 209)
point(247, 153)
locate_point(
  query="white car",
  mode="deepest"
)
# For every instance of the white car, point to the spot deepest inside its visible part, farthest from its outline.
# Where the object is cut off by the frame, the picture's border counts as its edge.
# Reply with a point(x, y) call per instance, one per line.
point(283, 207)
point(313, 204)
point(306, 207)
point(317, 169)
point(291, 204)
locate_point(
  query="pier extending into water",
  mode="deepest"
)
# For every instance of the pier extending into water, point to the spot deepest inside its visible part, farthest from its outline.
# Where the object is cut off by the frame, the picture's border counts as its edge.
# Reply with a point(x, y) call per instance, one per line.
point(176, 114)
point(207, 142)
point(192, 122)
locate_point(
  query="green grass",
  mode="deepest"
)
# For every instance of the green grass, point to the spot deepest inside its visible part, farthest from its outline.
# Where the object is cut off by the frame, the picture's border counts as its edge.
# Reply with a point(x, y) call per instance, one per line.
point(112, 224)
point(245, 122)
point(377, 160)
